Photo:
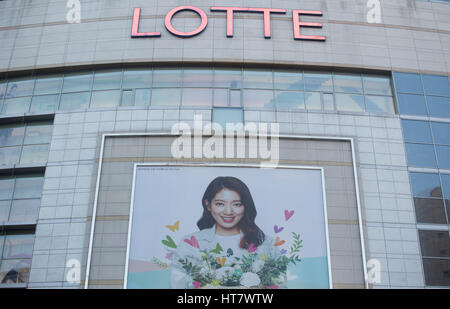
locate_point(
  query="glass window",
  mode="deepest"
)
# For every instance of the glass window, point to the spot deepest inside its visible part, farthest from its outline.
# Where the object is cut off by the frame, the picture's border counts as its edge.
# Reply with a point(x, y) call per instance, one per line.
point(24, 210)
point(2, 90)
point(312, 101)
point(4, 214)
point(135, 78)
point(9, 156)
point(201, 77)
point(258, 99)
point(44, 103)
point(77, 82)
point(73, 101)
point(107, 80)
point(290, 100)
point(441, 132)
point(235, 98)
point(439, 106)
point(228, 78)
point(2, 241)
point(420, 155)
point(6, 188)
point(349, 102)
point(446, 185)
point(412, 104)
point(16, 106)
point(28, 187)
point(142, 97)
point(20, 87)
point(318, 82)
point(38, 133)
point(443, 155)
point(48, 85)
point(436, 85)
point(408, 82)
point(328, 101)
point(380, 85)
point(197, 97)
point(127, 98)
point(11, 135)
point(167, 77)
point(18, 247)
point(34, 154)
point(221, 97)
point(288, 80)
point(430, 210)
point(417, 131)
point(425, 185)
point(258, 79)
point(379, 104)
point(349, 83)
point(223, 116)
point(166, 97)
point(435, 243)
point(15, 271)
point(108, 98)
point(437, 272)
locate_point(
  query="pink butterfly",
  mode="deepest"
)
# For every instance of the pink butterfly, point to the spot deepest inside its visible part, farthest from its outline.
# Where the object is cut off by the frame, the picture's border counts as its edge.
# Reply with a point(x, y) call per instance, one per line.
point(193, 242)
point(169, 255)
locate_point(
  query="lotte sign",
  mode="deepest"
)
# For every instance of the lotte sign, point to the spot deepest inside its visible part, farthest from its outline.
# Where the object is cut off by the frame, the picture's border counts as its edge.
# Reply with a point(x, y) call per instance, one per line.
point(297, 24)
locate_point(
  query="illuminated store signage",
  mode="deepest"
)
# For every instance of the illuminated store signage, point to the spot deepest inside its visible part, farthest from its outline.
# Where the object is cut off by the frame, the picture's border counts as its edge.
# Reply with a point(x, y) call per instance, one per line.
point(230, 11)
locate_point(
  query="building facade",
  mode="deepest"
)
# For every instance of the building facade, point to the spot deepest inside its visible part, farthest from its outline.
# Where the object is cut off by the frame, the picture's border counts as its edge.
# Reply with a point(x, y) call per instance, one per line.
point(90, 88)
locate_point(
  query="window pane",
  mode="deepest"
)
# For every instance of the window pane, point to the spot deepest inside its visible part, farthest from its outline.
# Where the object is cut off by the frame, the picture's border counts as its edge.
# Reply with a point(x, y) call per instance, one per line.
point(435, 243)
point(73, 101)
point(288, 80)
point(235, 98)
point(2, 90)
point(16, 106)
point(197, 97)
point(443, 155)
point(15, 271)
point(107, 80)
point(377, 85)
point(127, 98)
point(223, 116)
point(4, 213)
point(28, 187)
point(258, 99)
point(430, 210)
point(441, 132)
point(2, 241)
point(24, 210)
point(135, 78)
point(258, 79)
point(38, 133)
point(44, 103)
point(417, 131)
point(426, 185)
point(109, 98)
point(436, 272)
point(349, 102)
point(407, 82)
point(6, 188)
point(77, 82)
point(20, 87)
point(166, 97)
point(412, 104)
point(420, 155)
point(228, 78)
point(35, 154)
point(142, 97)
point(318, 82)
point(290, 100)
point(48, 85)
point(220, 97)
point(312, 101)
point(379, 104)
point(9, 156)
point(18, 247)
point(439, 106)
point(203, 77)
point(328, 101)
point(446, 185)
point(350, 83)
point(11, 135)
point(436, 85)
point(167, 77)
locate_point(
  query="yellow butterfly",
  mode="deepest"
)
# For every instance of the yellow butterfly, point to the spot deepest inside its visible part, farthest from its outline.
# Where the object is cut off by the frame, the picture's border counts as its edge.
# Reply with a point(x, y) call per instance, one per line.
point(174, 227)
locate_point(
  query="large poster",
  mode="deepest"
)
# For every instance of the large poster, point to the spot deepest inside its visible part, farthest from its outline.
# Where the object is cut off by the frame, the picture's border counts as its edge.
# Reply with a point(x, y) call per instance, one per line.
point(200, 227)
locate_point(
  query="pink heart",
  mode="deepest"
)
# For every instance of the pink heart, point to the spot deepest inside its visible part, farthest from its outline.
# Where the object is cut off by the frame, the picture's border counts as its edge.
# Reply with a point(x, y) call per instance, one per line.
point(196, 284)
point(277, 229)
point(193, 242)
point(252, 248)
point(288, 214)
point(169, 255)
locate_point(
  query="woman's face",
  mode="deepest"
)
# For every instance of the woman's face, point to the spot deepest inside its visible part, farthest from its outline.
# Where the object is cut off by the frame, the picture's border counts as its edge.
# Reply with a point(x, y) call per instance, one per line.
point(227, 209)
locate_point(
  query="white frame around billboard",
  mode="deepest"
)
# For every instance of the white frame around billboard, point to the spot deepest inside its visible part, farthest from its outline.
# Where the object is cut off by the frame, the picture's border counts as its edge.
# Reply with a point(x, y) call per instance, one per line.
point(281, 136)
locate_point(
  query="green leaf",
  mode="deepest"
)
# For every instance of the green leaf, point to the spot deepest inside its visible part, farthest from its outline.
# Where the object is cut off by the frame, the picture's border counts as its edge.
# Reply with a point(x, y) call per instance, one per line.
point(230, 252)
point(218, 249)
point(169, 242)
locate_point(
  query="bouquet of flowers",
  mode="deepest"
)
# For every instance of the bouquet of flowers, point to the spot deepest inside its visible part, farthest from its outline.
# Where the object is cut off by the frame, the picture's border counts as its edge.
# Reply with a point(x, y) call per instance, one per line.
point(252, 270)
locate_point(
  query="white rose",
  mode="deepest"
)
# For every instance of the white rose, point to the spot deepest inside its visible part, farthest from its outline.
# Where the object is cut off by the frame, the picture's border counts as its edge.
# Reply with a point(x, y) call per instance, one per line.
point(257, 265)
point(224, 272)
point(250, 279)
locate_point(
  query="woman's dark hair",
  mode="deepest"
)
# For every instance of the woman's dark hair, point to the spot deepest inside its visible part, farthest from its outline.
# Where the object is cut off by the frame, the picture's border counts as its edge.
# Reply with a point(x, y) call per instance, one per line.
point(252, 233)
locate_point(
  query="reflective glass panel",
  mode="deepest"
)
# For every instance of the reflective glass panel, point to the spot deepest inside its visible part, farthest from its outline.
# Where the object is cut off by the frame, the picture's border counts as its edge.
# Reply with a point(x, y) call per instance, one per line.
point(430, 210)
point(38, 133)
point(312, 101)
point(77, 82)
point(24, 210)
point(223, 116)
point(262, 79)
point(258, 99)
point(235, 98)
point(48, 85)
point(435, 243)
point(328, 101)
point(197, 97)
point(290, 100)
point(2, 90)
point(446, 185)
point(34, 154)
point(20, 87)
point(142, 97)
point(127, 98)
point(6, 188)
point(412, 104)
point(443, 155)
point(18, 247)
point(318, 82)
point(228, 78)
point(108, 98)
point(9, 156)
point(135, 78)
point(377, 85)
point(420, 155)
point(379, 104)
point(44, 103)
point(201, 77)
point(15, 271)
point(167, 77)
point(166, 97)
point(349, 83)
point(11, 135)
point(439, 106)
point(107, 80)
point(16, 105)
point(441, 132)
point(4, 213)
point(28, 187)
point(349, 102)
point(74, 101)
point(425, 185)
point(288, 80)
point(417, 131)
point(436, 85)
point(408, 82)
point(436, 272)
point(220, 97)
